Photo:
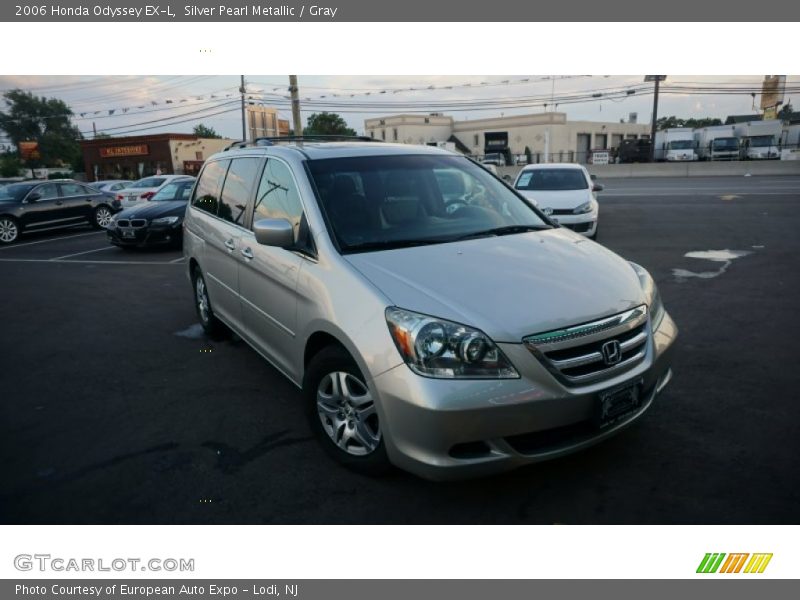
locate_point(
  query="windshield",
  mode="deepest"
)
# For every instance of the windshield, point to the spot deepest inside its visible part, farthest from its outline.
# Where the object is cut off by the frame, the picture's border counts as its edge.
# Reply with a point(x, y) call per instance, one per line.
point(173, 191)
point(15, 191)
point(760, 141)
point(382, 202)
point(725, 144)
point(150, 182)
point(552, 180)
point(681, 145)
point(493, 156)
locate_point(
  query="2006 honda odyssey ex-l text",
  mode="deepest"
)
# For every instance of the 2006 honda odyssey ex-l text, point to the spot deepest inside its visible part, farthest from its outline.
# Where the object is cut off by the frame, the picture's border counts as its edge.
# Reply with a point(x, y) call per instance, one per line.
point(432, 317)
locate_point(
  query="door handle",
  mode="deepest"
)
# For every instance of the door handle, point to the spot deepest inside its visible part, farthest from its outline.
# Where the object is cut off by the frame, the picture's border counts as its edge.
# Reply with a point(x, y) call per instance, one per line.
point(247, 253)
point(230, 245)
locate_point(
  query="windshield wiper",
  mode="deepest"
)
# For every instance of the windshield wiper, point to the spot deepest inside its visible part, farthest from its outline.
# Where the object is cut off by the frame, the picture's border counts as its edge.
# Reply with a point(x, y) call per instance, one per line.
point(506, 230)
point(391, 244)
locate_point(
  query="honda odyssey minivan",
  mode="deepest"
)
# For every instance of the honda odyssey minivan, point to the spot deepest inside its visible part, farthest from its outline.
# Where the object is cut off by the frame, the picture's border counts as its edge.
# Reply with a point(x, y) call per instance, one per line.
point(432, 317)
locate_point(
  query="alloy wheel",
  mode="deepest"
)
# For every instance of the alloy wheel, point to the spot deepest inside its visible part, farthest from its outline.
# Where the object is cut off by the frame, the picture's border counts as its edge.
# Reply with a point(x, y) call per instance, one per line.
point(202, 299)
point(347, 412)
point(8, 231)
point(103, 216)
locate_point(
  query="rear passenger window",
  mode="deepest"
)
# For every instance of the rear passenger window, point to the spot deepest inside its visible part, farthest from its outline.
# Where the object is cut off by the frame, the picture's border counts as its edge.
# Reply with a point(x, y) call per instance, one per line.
point(73, 189)
point(206, 196)
point(277, 196)
point(238, 188)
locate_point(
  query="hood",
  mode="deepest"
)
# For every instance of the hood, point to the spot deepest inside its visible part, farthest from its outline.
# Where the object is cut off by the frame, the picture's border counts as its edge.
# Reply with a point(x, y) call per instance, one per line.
point(564, 199)
point(153, 210)
point(508, 286)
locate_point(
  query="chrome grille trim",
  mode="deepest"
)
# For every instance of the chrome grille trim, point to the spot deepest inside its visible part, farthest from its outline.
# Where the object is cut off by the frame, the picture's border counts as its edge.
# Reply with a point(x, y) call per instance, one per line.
point(564, 351)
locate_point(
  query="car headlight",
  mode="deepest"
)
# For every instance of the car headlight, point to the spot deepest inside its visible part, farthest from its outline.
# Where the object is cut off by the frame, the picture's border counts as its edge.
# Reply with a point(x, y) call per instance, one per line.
point(165, 221)
point(583, 208)
point(445, 350)
point(654, 303)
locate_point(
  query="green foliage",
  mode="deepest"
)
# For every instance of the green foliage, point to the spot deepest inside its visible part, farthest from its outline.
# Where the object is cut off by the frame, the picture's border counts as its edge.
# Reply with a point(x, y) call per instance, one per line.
point(528, 155)
point(326, 123)
point(785, 113)
point(10, 165)
point(202, 131)
point(672, 122)
point(45, 120)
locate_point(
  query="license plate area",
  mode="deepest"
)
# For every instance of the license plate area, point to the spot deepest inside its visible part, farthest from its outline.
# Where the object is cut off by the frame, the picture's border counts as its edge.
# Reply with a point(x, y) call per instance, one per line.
point(616, 404)
point(129, 234)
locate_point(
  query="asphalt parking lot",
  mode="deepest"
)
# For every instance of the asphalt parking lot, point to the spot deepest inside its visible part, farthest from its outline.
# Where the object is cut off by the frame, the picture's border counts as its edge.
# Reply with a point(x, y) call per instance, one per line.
point(116, 409)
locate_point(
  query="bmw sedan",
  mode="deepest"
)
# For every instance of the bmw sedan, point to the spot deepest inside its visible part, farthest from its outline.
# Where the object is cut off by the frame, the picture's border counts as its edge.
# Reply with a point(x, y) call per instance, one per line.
point(158, 222)
point(44, 205)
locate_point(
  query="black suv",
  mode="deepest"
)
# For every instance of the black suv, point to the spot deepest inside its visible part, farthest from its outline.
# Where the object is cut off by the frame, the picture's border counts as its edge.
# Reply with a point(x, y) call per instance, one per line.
point(43, 205)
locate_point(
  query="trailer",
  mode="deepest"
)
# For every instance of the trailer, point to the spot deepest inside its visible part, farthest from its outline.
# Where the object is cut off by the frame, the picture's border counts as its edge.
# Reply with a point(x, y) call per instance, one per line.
point(675, 145)
point(790, 142)
point(759, 140)
point(718, 142)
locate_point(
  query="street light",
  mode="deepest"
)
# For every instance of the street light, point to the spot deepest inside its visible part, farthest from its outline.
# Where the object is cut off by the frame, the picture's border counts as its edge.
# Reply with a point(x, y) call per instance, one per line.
point(657, 79)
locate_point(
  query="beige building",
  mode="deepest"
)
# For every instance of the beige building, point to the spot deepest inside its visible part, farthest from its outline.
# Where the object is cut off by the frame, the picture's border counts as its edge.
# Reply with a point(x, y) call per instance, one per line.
point(567, 141)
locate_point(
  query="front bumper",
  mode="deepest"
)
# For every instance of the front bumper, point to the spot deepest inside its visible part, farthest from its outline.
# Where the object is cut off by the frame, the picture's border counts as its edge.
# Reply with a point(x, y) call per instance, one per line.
point(150, 235)
point(585, 224)
point(451, 429)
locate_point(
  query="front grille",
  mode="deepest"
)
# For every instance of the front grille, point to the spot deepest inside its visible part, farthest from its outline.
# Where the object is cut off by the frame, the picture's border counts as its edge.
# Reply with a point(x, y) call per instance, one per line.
point(562, 211)
point(579, 227)
point(138, 222)
point(596, 350)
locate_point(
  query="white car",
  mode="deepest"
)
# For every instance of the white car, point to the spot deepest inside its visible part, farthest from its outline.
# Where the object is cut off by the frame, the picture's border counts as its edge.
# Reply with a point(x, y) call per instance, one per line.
point(144, 189)
point(565, 192)
point(110, 185)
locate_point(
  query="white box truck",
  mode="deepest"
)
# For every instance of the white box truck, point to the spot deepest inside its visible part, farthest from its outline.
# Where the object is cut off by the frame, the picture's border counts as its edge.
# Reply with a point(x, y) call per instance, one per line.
point(718, 142)
point(759, 140)
point(790, 142)
point(675, 145)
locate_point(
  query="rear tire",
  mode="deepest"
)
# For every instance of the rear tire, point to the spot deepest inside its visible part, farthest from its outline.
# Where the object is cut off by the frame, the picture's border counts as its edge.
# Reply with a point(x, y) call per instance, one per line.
point(9, 230)
point(211, 325)
point(342, 413)
point(101, 217)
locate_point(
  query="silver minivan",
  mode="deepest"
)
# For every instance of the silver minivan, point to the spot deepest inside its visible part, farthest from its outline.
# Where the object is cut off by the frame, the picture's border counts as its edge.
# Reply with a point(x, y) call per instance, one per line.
point(433, 318)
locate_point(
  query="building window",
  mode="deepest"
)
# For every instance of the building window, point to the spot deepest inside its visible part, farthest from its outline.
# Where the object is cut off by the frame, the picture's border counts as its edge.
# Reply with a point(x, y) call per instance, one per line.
point(383, 134)
point(394, 133)
point(372, 133)
point(198, 156)
point(382, 122)
point(427, 120)
point(477, 140)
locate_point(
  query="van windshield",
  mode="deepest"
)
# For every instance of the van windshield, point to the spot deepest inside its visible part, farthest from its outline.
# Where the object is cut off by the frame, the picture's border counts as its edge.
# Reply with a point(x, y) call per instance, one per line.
point(726, 144)
point(761, 141)
point(383, 202)
point(681, 145)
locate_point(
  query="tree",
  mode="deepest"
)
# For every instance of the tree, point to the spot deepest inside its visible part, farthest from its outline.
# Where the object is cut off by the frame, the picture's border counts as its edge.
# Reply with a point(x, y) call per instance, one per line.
point(702, 122)
point(785, 113)
point(43, 120)
point(528, 155)
point(10, 165)
point(326, 123)
point(202, 131)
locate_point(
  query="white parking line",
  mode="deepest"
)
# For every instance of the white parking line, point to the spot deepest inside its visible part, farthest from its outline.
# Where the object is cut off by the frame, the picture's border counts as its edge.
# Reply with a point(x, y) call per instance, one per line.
point(86, 262)
point(85, 252)
point(63, 237)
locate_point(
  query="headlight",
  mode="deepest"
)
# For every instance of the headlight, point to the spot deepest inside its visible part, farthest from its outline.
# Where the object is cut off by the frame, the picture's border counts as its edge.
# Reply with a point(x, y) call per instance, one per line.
point(437, 348)
point(654, 304)
point(583, 208)
point(165, 221)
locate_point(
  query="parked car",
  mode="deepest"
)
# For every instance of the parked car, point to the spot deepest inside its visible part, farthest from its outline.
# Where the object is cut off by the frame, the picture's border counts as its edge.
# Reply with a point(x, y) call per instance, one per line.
point(159, 222)
point(565, 192)
point(494, 158)
point(144, 189)
point(110, 185)
point(42, 205)
point(433, 318)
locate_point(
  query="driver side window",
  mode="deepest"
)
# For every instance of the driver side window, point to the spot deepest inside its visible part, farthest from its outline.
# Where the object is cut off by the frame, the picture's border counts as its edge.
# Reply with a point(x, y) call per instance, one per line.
point(48, 191)
point(278, 197)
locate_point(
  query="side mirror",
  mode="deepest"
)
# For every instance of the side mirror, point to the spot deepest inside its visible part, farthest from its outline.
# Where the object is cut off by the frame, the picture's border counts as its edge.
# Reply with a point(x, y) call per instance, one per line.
point(274, 232)
point(598, 187)
point(33, 197)
point(594, 177)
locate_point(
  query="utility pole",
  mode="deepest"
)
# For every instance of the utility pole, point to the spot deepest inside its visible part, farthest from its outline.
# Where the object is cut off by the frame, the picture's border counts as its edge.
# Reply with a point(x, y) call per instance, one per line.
point(657, 79)
point(298, 124)
point(242, 89)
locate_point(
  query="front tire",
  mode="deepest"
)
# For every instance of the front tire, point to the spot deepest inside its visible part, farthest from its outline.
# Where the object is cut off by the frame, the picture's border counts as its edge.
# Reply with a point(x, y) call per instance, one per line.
point(342, 413)
point(211, 325)
point(101, 217)
point(9, 230)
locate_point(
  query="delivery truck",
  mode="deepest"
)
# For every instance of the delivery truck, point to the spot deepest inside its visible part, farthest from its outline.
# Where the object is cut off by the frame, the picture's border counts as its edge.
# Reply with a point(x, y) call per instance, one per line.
point(675, 145)
point(759, 140)
point(718, 142)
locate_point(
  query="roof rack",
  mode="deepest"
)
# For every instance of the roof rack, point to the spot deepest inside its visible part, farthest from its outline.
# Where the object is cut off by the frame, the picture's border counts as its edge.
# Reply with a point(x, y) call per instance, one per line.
point(271, 141)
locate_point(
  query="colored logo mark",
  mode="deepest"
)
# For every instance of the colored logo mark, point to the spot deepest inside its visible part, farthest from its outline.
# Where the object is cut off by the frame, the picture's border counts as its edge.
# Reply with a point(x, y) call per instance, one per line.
point(719, 562)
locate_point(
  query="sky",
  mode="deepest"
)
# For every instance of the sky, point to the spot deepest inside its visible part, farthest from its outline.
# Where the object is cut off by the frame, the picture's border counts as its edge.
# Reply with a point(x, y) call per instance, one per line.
point(138, 105)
